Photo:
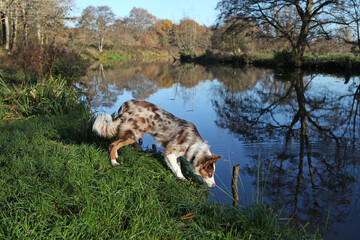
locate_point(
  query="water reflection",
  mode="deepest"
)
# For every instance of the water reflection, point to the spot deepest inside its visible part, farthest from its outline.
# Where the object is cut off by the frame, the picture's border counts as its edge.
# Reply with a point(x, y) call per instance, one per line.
point(142, 80)
point(306, 128)
point(325, 128)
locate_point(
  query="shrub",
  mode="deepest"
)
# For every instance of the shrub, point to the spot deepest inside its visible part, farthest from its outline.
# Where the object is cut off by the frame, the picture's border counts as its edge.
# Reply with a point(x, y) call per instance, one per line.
point(35, 60)
point(39, 62)
point(285, 58)
point(69, 65)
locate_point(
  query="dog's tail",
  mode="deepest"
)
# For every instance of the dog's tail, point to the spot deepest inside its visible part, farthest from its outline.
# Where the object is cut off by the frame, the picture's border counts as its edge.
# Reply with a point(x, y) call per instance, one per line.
point(104, 126)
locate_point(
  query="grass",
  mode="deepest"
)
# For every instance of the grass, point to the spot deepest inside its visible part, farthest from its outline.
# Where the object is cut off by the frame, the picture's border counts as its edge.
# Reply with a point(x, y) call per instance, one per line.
point(56, 182)
point(112, 57)
point(23, 100)
point(333, 63)
point(333, 57)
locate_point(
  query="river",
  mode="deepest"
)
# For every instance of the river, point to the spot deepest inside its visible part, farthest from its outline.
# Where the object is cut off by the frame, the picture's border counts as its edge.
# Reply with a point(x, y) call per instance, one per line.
point(294, 135)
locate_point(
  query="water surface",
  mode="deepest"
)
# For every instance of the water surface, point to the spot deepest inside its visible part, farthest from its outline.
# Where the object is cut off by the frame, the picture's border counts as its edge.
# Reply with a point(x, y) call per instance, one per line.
point(295, 135)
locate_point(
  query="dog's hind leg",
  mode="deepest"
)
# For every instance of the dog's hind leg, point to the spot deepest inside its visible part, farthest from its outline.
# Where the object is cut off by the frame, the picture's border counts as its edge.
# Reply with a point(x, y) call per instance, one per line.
point(126, 138)
point(174, 165)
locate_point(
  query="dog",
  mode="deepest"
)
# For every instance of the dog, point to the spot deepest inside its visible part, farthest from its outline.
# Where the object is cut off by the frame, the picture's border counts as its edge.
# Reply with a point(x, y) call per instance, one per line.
point(179, 137)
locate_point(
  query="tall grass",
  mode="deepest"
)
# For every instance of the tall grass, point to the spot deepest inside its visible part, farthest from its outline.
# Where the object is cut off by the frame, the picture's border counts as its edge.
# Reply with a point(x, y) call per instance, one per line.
point(53, 96)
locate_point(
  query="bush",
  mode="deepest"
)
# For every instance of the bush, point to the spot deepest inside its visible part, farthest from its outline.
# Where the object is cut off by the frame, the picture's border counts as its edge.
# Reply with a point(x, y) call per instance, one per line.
point(285, 58)
point(39, 62)
point(69, 65)
point(35, 60)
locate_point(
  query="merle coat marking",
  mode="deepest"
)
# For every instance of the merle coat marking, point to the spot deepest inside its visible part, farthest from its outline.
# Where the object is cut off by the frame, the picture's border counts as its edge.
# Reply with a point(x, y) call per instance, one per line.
point(178, 136)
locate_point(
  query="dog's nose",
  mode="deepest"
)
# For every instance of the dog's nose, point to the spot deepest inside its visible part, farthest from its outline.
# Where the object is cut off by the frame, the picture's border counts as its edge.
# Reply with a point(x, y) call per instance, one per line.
point(213, 185)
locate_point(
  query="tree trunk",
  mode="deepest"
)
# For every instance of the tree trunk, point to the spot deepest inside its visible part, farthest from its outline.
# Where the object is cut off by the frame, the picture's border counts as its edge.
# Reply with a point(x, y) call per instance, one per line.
point(14, 29)
point(101, 44)
point(358, 34)
point(3, 27)
point(4, 16)
point(38, 32)
point(25, 28)
point(6, 32)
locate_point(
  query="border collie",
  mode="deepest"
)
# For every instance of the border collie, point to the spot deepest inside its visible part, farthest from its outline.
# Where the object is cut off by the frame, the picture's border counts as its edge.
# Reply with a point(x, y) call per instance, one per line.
point(179, 137)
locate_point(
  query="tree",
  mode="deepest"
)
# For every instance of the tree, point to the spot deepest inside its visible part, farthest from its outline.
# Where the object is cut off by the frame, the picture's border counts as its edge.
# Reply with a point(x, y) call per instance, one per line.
point(348, 16)
point(236, 36)
point(296, 21)
point(44, 18)
point(140, 22)
point(163, 29)
point(187, 35)
point(121, 34)
point(47, 17)
point(5, 6)
point(96, 22)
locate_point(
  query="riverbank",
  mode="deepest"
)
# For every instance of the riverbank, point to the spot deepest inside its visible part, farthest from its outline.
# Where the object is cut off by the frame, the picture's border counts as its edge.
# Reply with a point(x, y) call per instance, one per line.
point(57, 182)
point(131, 53)
point(336, 63)
point(333, 63)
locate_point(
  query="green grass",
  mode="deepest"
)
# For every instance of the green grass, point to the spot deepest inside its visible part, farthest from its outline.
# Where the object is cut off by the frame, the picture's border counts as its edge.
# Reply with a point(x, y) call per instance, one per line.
point(53, 96)
point(56, 182)
point(112, 57)
point(333, 57)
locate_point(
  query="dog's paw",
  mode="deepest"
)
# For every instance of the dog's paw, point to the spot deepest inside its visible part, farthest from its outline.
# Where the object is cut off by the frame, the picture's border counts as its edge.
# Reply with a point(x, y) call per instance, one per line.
point(114, 163)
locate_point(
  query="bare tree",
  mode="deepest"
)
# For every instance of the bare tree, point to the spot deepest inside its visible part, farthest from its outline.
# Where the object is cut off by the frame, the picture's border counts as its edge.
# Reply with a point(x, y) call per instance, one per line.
point(348, 16)
point(296, 21)
point(49, 16)
point(5, 6)
point(140, 22)
point(43, 18)
point(236, 36)
point(96, 22)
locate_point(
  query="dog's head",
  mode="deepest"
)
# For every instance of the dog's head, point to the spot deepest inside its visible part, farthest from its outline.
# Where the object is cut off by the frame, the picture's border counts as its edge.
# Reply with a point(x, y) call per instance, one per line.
point(206, 169)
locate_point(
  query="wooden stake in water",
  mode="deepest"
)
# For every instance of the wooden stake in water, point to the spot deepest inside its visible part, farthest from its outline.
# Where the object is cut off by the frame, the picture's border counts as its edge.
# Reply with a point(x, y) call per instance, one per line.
point(234, 186)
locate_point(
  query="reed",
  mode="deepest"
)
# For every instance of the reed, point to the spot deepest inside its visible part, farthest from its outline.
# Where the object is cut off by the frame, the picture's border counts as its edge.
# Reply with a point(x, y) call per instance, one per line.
point(27, 99)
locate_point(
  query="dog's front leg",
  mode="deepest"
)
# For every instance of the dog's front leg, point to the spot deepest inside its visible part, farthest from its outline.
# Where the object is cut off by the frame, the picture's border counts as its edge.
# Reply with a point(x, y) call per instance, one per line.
point(173, 164)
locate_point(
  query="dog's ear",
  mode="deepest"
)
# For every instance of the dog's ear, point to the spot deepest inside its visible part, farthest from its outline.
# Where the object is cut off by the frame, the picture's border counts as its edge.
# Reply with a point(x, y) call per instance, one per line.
point(212, 159)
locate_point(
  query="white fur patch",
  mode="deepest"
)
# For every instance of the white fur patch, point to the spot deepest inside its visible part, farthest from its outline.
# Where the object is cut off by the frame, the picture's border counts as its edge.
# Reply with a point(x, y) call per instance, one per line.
point(105, 126)
point(210, 181)
point(99, 122)
point(114, 162)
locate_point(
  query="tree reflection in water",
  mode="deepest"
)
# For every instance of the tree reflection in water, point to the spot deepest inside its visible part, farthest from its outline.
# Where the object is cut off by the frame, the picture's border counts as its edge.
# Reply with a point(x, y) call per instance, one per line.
point(310, 124)
point(104, 84)
point(289, 108)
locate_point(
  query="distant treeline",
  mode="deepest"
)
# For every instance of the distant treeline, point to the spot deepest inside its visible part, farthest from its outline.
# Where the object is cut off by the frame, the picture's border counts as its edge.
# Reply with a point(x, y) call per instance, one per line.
point(247, 27)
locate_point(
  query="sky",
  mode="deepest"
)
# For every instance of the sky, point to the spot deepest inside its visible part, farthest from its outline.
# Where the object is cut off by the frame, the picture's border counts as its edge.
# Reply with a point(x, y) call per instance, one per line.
point(202, 11)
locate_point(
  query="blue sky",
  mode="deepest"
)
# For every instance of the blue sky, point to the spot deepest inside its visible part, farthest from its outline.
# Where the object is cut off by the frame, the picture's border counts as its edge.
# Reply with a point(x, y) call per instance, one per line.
point(202, 11)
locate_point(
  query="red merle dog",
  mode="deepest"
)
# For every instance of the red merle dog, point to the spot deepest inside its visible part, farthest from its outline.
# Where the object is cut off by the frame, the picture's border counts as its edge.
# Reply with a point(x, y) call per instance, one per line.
point(178, 136)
